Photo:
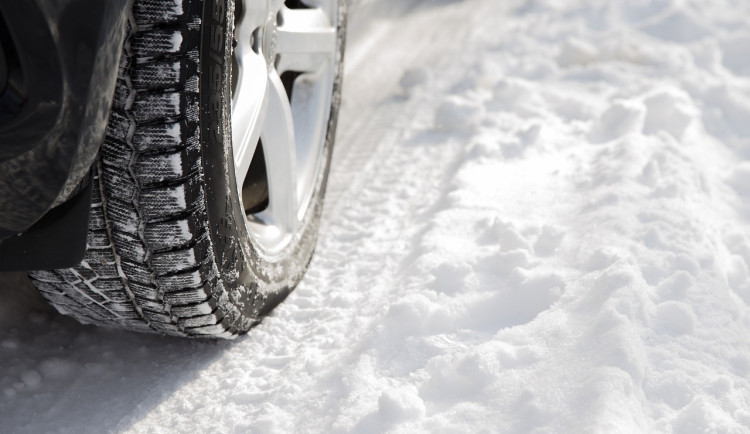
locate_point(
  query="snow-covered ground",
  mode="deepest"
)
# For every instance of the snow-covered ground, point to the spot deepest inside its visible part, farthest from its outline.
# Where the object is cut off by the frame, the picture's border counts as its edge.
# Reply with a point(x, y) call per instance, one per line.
point(539, 220)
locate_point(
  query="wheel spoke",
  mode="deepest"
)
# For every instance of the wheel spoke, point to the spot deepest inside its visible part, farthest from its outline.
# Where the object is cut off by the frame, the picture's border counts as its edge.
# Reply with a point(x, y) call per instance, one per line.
point(277, 136)
point(254, 14)
point(329, 7)
point(272, 39)
point(249, 108)
point(275, 5)
point(306, 39)
point(313, 96)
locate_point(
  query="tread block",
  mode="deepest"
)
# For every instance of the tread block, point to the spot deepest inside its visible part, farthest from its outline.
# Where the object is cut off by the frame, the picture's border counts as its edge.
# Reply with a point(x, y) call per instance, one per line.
point(123, 217)
point(125, 61)
point(63, 301)
point(170, 234)
point(158, 316)
point(113, 302)
point(66, 306)
point(87, 308)
point(193, 54)
point(158, 105)
point(202, 320)
point(191, 84)
point(46, 276)
point(151, 305)
point(159, 74)
point(158, 203)
point(181, 281)
point(97, 224)
point(144, 292)
point(137, 272)
point(120, 299)
point(110, 284)
point(118, 126)
point(102, 263)
point(174, 261)
point(168, 136)
point(59, 299)
point(188, 296)
point(98, 299)
point(127, 314)
point(194, 310)
point(158, 42)
point(68, 275)
point(212, 330)
point(115, 152)
point(97, 239)
point(118, 184)
point(157, 169)
point(123, 95)
point(86, 273)
point(158, 12)
point(45, 287)
point(129, 246)
point(79, 291)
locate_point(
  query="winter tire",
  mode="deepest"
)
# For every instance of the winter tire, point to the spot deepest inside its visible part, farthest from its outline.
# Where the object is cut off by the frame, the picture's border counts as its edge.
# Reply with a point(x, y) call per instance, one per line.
point(208, 188)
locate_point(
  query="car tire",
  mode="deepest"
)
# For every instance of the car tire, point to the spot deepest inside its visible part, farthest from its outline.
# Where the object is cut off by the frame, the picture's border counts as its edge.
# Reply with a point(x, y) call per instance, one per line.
point(186, 237)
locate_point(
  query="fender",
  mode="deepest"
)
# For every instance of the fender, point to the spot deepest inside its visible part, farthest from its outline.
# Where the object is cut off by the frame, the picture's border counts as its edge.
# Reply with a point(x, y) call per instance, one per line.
point(58, 67)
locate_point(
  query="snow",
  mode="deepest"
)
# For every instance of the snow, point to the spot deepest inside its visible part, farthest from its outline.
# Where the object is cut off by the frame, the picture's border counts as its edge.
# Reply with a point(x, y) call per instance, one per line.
point(536, 221)
point(176, 42)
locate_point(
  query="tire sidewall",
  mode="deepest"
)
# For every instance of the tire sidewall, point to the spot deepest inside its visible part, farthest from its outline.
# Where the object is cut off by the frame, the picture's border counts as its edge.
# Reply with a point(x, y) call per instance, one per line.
point(253, 283)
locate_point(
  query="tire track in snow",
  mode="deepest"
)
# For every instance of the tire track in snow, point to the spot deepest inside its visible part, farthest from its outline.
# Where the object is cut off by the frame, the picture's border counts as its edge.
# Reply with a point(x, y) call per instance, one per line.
point(577, 262)
point(384, 185)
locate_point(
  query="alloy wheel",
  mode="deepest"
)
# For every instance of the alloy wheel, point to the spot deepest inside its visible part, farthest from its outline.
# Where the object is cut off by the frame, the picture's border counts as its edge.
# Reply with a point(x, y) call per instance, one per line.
point(282, 83)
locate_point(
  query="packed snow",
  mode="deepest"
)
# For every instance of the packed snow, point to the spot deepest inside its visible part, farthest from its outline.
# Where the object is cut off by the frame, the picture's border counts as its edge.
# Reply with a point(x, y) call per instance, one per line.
point(538, 221)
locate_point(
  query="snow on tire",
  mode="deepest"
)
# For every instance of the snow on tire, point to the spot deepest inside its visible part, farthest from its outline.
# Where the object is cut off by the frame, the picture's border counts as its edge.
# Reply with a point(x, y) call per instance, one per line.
point(171, 247)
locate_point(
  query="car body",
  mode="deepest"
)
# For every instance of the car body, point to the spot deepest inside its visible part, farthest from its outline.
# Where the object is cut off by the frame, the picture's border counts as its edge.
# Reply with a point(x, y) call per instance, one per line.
point(58, 66)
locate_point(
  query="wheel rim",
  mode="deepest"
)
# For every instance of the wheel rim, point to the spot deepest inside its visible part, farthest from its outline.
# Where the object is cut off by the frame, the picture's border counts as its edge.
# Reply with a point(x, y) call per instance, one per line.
point(283, 71)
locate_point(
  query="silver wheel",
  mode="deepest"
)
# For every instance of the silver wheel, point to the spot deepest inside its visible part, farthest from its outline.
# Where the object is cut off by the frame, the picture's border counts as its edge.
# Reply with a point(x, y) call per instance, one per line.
point(282, 80)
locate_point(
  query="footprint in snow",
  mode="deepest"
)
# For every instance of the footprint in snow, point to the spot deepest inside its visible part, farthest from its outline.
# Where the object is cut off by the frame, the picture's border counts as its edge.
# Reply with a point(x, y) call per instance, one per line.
point(739, 179)
point(502, 263)
point(675, 287)
point(518, 300)
point(503, 234)
point(621, 118)
point(413, 79)
point(671, 391)
point(601, 258)
point(674, 317)
point(680, 25)
point(735, 56)
point(549, 241)
point(451, 278)
point(513, 94)
point(468, 374)
point(576, 52)
point(458, 115)
point(670, 110)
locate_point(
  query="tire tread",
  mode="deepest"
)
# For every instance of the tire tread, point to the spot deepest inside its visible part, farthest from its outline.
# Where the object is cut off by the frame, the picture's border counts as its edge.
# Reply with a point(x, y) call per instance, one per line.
point(149, 264)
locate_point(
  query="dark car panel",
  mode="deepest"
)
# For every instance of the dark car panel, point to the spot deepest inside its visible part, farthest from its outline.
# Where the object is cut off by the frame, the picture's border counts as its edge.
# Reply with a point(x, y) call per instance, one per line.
point(57, 75)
